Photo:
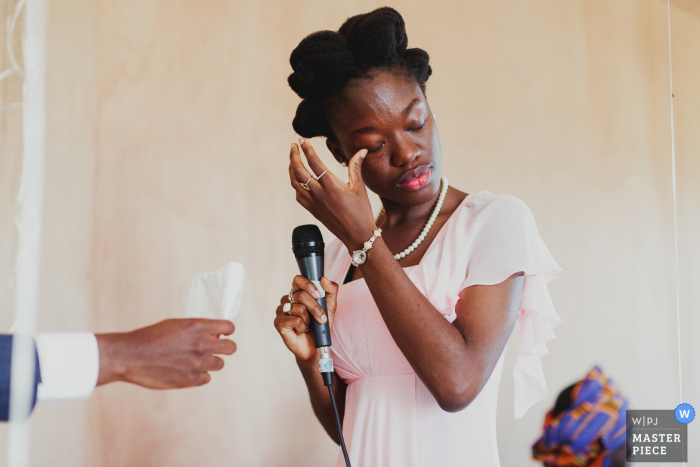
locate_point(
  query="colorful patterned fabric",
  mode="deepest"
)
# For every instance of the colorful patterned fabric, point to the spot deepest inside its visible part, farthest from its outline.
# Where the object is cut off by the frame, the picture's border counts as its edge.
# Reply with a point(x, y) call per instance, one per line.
point(587, 432)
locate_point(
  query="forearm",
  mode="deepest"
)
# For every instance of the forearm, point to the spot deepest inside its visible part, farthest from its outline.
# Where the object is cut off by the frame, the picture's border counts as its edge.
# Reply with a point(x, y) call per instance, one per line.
point(320, 399)
point(436, 350)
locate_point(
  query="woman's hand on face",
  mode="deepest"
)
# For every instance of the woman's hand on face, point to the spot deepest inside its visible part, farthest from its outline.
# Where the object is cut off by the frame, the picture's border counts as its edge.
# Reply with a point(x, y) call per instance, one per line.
point(342, 207)
point(293, 325)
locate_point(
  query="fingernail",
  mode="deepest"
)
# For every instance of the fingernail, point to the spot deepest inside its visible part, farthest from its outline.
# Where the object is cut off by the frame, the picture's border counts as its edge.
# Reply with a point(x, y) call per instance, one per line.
point(301, 140)
point(286, 307)
point(317, 294)
point(293, 144)
point(323, 318)
point(364, 153)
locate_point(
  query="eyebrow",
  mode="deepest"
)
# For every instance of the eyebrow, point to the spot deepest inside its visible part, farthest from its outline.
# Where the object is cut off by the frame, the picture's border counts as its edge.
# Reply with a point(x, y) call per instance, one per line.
point(411, 105)
point(370, 129)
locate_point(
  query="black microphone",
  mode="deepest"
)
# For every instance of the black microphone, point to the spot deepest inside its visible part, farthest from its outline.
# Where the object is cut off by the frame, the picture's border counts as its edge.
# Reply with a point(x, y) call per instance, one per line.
point(308, 247)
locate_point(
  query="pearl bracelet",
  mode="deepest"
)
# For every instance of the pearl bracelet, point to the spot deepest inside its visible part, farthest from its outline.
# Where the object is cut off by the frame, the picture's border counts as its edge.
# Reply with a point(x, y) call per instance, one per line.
point(360, 256)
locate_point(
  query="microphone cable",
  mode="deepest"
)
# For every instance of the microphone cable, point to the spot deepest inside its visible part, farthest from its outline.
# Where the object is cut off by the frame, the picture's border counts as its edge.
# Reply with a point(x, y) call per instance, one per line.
point(325, 367)
point(340, 429)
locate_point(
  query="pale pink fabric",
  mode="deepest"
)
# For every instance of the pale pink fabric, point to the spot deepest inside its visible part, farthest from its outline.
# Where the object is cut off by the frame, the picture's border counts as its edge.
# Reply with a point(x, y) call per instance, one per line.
point(391, 420)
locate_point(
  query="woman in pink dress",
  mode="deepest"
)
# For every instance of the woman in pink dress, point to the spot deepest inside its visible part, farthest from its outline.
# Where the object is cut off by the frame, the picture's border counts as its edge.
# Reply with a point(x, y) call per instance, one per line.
point(420, 325)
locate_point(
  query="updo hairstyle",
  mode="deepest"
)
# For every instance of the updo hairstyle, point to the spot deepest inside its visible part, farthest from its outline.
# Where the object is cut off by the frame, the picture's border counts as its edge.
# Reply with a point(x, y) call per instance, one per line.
point(326, 61)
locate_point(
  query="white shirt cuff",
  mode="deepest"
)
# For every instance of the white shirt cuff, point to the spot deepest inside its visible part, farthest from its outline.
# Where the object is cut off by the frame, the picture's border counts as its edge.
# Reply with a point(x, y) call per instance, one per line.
point(69, 365)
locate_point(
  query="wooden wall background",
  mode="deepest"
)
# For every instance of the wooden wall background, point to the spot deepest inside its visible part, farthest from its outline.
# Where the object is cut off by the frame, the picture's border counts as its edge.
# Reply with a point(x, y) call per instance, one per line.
point(168, 132)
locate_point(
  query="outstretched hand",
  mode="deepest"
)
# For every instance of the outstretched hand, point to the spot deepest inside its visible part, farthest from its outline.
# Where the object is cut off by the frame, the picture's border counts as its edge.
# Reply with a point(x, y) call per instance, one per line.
point(175, 353)
point(343, 208)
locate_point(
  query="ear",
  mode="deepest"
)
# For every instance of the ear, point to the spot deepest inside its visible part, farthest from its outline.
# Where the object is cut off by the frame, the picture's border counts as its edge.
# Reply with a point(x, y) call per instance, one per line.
point(334, 148)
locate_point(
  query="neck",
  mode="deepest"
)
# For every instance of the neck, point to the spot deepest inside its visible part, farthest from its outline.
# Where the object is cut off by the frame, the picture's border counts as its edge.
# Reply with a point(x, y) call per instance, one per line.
point(397, 213)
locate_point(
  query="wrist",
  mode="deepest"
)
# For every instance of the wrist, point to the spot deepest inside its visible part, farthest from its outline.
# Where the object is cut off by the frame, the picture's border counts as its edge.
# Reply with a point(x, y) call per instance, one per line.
point(360, 255)
point(113, 365)
point(308, 363)
point(356, 239)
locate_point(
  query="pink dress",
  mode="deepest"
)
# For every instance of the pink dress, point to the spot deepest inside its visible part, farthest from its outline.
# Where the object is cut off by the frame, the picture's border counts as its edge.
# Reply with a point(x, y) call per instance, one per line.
point(391, 420)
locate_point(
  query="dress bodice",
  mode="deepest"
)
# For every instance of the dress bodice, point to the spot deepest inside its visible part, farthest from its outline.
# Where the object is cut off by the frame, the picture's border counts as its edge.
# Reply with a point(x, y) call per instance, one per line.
point(391, 419)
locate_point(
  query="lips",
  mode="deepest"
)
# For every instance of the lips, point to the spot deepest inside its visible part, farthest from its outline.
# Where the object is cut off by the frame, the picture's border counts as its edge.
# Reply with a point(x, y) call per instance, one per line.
point(416, 178)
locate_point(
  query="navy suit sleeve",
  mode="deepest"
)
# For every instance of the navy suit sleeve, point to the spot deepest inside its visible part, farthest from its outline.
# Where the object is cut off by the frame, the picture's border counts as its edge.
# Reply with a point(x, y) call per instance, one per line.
point(5, 365)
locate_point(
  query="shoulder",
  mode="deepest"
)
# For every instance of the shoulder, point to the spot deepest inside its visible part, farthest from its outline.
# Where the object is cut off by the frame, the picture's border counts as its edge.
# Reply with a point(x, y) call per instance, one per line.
point(486, 209)
point(486, 202)
point(498, 238)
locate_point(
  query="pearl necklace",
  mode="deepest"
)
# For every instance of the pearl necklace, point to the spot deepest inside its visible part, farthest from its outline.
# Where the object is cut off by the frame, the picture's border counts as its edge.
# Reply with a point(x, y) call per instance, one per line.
point(428, 225)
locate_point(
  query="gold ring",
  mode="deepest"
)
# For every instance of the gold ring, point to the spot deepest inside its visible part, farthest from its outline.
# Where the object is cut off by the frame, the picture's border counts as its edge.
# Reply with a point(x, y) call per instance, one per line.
point(306, 185)
point(319, 177)
point(291, 296)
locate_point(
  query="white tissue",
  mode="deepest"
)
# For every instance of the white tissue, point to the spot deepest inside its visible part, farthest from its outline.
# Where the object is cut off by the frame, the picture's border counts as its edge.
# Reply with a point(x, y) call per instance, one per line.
point(217, 294)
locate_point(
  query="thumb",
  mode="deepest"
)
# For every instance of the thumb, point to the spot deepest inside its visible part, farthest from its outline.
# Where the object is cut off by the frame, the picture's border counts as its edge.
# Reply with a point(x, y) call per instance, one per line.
point(355, 168)
point(331, 289)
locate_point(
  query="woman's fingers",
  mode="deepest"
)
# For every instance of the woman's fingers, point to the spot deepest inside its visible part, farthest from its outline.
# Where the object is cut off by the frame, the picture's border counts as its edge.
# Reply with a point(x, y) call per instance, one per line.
point(315, 163)
point(355, 169)
point(331, 289)
point(300, 310)
point(297, 172)
point(285, 324)
point(311, 305)
point(329, 286)
point(297, 309)
point(302, 283)
point(307, 293)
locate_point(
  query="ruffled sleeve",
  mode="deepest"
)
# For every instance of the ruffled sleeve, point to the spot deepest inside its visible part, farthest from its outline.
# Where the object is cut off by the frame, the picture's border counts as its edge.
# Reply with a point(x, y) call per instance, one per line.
point(504, 240)
point(488, 239)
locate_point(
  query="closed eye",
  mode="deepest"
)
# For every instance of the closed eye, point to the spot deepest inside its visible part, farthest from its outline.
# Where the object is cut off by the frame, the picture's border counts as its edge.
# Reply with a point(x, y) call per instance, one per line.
point(412, 130)
point(377, 148)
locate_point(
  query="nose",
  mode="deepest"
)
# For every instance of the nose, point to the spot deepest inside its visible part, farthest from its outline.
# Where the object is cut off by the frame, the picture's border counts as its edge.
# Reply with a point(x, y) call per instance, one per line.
point(405, 151)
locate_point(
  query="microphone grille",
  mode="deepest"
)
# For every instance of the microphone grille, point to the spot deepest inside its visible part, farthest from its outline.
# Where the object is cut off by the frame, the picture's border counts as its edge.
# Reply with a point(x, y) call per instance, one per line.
point(303, 236)
point(308, 250)
point(306, 234)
